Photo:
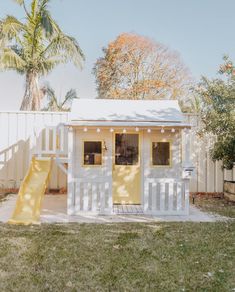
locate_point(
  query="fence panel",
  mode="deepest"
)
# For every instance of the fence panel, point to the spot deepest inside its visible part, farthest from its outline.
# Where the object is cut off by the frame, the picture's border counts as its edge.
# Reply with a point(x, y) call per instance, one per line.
point(209, 175)
point(16, 145)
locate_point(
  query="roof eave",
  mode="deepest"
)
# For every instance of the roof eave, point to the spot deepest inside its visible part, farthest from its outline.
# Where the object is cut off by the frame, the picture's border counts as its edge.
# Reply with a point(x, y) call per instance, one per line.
point(178, 124)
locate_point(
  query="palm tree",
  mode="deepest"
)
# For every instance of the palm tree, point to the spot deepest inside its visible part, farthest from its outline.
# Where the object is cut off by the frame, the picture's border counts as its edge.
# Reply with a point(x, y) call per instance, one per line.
point(54, 104)
point(35, 47)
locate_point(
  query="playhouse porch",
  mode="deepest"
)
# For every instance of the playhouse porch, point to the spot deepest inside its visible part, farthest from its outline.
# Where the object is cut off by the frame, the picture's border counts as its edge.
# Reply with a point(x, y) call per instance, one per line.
point(160, 197)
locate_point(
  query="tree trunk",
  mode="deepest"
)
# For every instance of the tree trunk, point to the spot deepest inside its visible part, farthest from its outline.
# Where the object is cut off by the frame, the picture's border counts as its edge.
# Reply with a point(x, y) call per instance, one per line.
point(32, 96)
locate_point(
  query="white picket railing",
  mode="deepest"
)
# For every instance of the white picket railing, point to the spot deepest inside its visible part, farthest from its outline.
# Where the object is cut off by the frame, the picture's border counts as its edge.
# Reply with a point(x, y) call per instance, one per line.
point(161, 196)
point(92, 195)
point(166, 196)
point(51, 140)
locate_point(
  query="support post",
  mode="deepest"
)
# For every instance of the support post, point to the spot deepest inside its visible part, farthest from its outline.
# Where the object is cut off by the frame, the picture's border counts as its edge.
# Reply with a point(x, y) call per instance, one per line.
point(186, 189)
point(33, 144)
point(187, 163)
point(71, 191)
point(187, 168)
point(146, 195)
point(187, 160)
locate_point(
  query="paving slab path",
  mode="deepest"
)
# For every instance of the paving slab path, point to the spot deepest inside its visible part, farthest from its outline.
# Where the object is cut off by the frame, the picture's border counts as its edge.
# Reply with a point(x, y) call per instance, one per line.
point(54, 211)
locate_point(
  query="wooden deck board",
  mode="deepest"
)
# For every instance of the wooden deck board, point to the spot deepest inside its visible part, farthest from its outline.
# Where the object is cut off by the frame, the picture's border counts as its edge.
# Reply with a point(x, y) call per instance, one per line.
point(128, 209)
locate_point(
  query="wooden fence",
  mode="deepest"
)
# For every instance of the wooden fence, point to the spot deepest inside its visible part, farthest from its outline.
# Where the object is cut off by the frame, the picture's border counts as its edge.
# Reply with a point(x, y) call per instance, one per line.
point(209, 175)
point(18, 131)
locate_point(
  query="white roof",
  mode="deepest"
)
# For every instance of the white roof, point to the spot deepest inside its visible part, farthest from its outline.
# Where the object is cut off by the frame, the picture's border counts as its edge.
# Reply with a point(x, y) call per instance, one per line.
point(125, 112)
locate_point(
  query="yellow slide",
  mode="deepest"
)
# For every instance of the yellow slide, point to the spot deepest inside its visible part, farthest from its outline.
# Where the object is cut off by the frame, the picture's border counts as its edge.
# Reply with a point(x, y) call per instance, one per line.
point(32, 189)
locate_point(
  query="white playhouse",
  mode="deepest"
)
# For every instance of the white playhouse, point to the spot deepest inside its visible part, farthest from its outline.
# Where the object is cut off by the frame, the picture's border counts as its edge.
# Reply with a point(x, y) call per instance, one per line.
point(126, 156)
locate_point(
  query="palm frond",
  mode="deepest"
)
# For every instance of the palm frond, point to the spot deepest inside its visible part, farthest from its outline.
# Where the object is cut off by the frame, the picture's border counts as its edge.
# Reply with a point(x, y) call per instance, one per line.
point(47, 22)
point(34, 8)
point(51, 97)
point(50, 92)
point(9, 59)
point(20, 2)
point(70, 95)
point(67, 48)
point(10, 28)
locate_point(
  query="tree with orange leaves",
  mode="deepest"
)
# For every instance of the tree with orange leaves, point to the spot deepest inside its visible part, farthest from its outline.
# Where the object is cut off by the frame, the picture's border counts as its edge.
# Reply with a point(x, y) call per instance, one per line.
point(136, 67)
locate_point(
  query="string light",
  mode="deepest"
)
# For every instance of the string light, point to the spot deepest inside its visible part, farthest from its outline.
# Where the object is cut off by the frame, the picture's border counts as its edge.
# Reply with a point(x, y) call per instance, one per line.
point(149, 130)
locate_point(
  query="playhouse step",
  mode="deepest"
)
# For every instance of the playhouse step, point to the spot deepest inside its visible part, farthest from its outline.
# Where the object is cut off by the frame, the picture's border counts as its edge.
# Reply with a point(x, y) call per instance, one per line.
point(128, 209)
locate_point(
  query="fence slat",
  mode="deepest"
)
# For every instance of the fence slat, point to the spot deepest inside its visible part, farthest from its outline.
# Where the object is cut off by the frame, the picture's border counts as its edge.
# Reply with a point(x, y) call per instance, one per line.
point(47, 139)
point(94, 197)
point(179, 196)
point(77, 197)
point(162, 196)
point(171, 192)
point(102, 198)
point(186, 194)
point(154, 196)
point(85, 198)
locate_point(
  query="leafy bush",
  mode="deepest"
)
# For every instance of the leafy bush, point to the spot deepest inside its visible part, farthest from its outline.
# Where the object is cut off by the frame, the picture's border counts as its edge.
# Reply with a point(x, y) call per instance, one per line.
point(218, 113)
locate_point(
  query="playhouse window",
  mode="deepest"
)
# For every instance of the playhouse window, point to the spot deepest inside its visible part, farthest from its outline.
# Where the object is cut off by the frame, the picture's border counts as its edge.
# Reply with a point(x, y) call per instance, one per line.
point(92, 153)
point(161, 155)
point(127, 149)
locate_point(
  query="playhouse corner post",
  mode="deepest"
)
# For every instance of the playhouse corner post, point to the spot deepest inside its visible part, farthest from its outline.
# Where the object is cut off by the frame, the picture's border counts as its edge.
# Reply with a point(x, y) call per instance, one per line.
point(186, 184)
point(187, 167)
point(187, 164)
point(70, 178)
point(186, 141)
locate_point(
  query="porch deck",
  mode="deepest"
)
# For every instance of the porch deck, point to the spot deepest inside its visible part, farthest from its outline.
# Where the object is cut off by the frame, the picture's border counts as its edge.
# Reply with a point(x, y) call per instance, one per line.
point(127, 209)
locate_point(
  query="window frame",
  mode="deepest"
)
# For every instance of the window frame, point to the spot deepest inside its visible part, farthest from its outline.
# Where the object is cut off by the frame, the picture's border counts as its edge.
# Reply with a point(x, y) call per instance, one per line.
point(170, 150)
point(83, 148)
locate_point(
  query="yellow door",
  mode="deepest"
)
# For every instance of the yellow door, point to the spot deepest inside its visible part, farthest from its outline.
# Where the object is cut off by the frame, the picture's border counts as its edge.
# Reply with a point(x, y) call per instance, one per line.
point(126, 169)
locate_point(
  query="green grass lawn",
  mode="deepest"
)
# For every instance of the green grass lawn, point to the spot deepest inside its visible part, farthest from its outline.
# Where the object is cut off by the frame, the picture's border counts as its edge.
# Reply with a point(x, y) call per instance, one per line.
point(216, 205)
point(118, 257)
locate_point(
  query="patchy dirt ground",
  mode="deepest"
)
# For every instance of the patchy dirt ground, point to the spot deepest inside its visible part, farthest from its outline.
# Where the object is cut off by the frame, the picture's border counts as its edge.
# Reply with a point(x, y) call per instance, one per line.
point(217, 206)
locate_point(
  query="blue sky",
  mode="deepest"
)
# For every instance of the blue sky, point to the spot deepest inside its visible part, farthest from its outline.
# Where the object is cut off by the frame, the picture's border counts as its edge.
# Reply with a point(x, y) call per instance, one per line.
point(201, 30)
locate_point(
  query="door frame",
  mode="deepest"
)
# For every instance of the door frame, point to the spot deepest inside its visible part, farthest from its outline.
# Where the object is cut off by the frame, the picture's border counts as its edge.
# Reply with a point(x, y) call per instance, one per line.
point(140, 158)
